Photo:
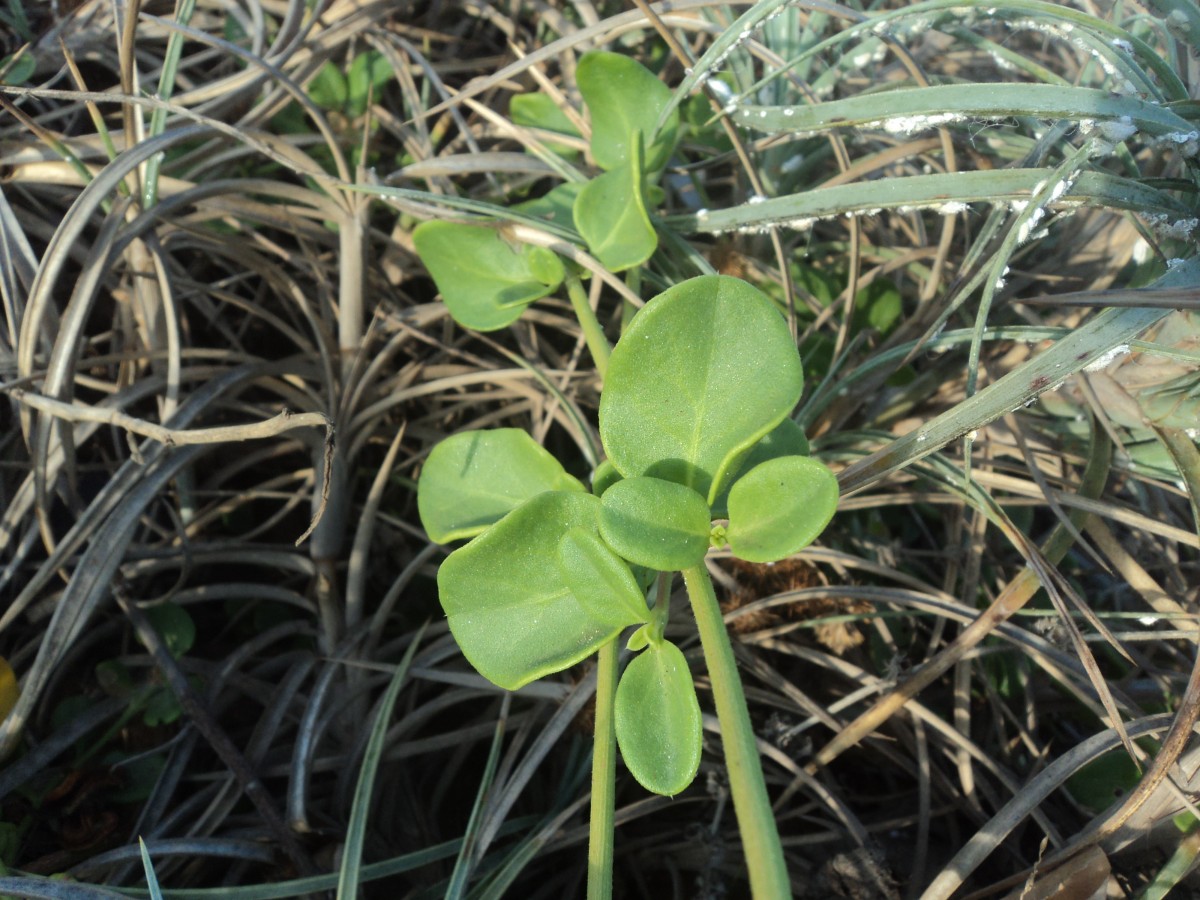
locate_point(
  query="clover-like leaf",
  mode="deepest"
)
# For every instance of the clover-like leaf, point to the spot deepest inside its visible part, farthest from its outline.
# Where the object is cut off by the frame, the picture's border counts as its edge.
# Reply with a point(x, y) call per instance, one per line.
point(779, 507)
point(485, 282)
point(475, 478)
point(624, 97)
point(655, 523)
point(704, 371)
point(610, 214)
point(506, 598)
point(658, 720)
point(600, 580)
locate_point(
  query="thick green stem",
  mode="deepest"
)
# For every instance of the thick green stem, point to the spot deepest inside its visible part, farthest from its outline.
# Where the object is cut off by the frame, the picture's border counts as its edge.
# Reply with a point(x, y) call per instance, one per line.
point(756, 820)
point(593, 333)
point(604, 778)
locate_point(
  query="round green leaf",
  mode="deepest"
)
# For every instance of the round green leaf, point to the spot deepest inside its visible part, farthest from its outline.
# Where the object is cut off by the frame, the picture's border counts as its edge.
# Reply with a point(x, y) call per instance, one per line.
point(787, 439)
point(705, 370)
point(175, 625)
point(655, 523)
point(600, 580)
point(475, 478)
point(658, 720)
point(623, 97)
point(507, 601)
point(485, 283)
point(610, 214)
point(779, 507)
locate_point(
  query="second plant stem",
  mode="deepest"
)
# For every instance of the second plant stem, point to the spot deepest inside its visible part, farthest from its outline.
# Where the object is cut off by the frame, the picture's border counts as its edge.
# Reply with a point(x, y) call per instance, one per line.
point(756, 819)
point(604, 778)
point(593, 333)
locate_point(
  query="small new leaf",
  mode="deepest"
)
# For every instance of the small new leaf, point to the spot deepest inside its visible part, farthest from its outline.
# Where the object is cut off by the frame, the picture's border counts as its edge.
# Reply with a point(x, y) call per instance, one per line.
point(658, 720)
point(779, 507)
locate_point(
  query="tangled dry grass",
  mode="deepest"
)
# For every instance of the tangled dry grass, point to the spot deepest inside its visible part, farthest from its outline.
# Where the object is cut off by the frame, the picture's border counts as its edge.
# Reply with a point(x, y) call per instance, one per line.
point(222, 364)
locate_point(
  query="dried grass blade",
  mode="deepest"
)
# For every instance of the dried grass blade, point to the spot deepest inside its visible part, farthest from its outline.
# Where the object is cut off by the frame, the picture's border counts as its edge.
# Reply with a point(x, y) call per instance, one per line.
point(990, 836)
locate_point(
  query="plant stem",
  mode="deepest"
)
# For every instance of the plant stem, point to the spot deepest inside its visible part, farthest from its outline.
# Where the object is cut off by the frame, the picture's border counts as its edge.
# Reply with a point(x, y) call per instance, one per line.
point(604, 778)
point(756, 820)
point(593, 333)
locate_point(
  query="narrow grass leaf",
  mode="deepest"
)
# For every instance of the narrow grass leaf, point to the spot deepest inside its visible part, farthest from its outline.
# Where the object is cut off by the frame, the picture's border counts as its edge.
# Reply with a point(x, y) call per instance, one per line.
point(1073, 352)
point(945, 192)
point(463, 865)
point(350, 875)
point(148, 866)
point(906, 110)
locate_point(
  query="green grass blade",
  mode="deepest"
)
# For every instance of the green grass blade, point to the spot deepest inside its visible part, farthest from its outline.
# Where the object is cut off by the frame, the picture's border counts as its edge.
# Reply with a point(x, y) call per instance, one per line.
point(463, 866)
point(151, 878)
point(909, 109)
point(166, 87)
point(944, 192)
point(1074, 352)
point(352, 869)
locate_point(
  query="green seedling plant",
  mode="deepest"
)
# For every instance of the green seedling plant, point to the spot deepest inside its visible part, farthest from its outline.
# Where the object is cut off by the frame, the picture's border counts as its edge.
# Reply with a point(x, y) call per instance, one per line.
point(487, 282)
point(701, 453)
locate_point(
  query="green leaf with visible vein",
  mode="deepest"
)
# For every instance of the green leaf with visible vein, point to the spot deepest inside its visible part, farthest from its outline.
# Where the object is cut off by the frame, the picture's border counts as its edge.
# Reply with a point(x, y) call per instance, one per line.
point(655, 523)
point(623, 97)
point(485, 282)
point(685, 398)
point(507, 601)
point(610, 214)
point(600, 580)
point(475, 478)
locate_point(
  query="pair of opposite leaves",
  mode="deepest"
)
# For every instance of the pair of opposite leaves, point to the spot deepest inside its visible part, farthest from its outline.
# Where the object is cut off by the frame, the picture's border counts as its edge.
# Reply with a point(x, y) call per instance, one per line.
point(484, 281)
point(694, 420)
